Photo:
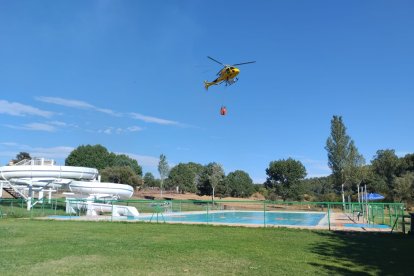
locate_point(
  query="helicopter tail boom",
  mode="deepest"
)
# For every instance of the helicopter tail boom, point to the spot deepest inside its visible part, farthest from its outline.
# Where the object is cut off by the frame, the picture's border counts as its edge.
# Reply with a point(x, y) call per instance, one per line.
point(208, 84)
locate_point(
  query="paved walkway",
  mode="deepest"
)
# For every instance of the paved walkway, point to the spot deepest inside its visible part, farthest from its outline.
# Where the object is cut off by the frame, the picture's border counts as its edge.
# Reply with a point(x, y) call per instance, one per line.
point(345, 222)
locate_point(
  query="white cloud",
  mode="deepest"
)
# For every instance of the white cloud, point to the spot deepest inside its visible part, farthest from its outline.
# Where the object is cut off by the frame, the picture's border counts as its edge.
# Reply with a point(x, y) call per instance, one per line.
point(50, 126)
point(65, 102)
point(40, 127)
point(112, 130)
point(108, 130)
point(34, 127)
point(18, 109)
point(155, 120)
point(59, 152)
point(76, 104)
point(9, 144)
point(87, 106)
point(144, 160)
point(134, 128)
point(52, 152)
point(108, 111)
point(63, 124)
point(58, 123)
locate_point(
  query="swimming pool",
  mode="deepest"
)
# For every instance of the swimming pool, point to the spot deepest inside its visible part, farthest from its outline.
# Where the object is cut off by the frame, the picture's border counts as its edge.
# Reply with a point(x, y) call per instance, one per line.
point(242, 218)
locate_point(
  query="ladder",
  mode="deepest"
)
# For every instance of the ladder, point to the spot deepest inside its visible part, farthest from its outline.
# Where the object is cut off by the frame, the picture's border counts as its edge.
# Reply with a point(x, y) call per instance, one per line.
point(11, 190)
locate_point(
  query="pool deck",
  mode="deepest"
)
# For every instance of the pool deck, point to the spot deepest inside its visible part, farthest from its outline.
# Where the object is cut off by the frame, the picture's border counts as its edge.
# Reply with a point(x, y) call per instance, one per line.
point(340, 220)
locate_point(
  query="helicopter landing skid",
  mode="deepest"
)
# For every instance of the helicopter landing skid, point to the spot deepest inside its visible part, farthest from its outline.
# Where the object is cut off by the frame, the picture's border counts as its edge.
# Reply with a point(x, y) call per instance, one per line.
point(231, 81)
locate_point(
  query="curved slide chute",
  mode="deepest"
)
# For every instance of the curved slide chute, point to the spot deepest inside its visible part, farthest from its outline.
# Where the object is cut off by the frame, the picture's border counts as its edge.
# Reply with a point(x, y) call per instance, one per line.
point(41, 168)
point(121, 191)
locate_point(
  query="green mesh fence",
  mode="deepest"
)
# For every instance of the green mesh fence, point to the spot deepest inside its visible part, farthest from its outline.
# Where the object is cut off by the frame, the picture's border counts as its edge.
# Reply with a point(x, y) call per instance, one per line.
point(389, 217)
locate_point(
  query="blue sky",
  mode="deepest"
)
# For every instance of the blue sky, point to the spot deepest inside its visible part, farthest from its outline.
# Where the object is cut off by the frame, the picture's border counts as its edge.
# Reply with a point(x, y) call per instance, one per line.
point(129, 75)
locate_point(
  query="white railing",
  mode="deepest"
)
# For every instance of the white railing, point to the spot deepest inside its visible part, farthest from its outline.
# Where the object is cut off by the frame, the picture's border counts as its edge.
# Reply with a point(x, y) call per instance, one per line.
point(36, 162)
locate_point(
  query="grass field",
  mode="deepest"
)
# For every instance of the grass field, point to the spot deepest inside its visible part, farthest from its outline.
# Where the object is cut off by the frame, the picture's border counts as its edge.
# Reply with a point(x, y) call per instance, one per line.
point(37, 247)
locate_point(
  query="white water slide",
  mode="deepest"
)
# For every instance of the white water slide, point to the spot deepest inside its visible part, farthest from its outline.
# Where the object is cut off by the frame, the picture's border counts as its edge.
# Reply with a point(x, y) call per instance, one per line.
point(41, 173)
point(82, 180)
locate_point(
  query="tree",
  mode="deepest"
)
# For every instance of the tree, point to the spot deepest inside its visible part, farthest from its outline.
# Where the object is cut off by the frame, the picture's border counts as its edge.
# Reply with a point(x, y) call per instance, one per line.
point(96, 156)
point(343, 157)
point(354, 169)
point(211, 176)
point(122, 160)
point(407, 163)
point(376, 183)
point(184, 177)
point(386, 164)
point(150, 181)
point(20, 157)
point(163, 169)
point(319, 188)
point(355, 172)
point(215, 176)
point(239, 184)
point(23, 156)
point(404, 187)
point(121, 175)
point(284, 177)
point(337, 147)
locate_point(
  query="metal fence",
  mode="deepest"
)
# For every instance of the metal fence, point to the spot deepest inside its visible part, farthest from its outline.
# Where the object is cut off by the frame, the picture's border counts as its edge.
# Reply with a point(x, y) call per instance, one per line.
point(353, 216)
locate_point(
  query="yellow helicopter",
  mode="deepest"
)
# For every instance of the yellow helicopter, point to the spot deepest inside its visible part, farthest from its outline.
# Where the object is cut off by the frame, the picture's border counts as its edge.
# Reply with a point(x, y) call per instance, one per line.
point(227, 74)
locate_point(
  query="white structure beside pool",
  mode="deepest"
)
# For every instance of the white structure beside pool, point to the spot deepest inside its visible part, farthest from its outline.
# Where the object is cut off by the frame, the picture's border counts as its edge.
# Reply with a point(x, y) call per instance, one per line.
point(30, 179)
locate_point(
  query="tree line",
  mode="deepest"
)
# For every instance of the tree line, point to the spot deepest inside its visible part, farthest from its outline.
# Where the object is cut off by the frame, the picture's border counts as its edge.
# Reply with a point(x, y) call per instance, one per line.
point(201, 179)
point(387, 174)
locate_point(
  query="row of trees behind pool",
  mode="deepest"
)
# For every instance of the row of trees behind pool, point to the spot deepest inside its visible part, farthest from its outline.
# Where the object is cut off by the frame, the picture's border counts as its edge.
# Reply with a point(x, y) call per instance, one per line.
point(387, 173)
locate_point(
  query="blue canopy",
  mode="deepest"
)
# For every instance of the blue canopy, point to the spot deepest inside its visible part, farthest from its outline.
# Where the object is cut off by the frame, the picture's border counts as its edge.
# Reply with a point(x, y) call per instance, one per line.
point(373, 196)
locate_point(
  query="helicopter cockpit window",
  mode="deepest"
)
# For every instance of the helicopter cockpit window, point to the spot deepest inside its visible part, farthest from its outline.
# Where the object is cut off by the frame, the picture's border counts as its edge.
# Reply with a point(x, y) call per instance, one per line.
point(228, 70)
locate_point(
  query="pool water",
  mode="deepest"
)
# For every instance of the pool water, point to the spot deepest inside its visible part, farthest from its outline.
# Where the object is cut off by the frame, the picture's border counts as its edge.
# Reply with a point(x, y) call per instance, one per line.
point(365, 225)
point(243, 217)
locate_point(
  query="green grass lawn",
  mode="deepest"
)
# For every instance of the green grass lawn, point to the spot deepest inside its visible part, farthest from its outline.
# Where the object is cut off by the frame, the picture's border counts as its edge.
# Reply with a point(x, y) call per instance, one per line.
point(37, 247)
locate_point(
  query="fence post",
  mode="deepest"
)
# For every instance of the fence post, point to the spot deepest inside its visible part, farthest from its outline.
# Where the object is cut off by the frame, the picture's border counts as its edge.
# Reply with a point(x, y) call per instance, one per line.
point(264, 213)
point(396, 216)
point(207, 213)
point(329, 217)
point(69, 207)
point(411, 232)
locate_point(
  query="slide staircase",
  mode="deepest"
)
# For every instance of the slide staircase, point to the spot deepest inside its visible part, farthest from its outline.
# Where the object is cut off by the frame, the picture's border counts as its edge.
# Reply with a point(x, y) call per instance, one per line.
point(12, 190)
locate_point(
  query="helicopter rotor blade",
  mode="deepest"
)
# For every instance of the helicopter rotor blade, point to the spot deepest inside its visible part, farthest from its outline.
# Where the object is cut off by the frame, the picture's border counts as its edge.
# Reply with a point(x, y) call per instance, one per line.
point(216, 61)
point(244, 63)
